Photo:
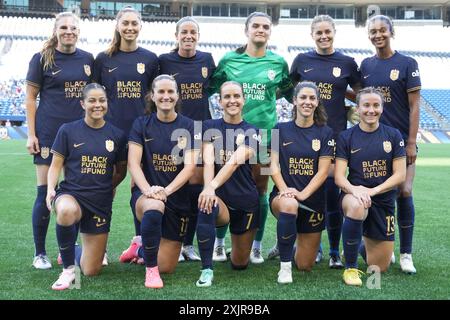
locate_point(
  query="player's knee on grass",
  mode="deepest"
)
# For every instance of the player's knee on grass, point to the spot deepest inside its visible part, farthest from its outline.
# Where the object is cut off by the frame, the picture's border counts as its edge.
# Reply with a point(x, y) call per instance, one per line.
point(238, 267)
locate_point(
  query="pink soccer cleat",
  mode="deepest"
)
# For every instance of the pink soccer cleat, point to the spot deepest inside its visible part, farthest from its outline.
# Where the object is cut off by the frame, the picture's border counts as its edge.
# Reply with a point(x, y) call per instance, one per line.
point(152, 278)
point(131, 253)
point(65, 280)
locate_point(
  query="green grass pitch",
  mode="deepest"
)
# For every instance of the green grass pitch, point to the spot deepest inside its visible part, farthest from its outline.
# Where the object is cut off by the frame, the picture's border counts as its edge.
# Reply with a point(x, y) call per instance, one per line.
point(18, 280)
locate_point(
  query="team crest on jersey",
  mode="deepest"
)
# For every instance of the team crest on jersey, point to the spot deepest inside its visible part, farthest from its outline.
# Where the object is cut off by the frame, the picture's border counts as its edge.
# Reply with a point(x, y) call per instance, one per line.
point(315, 144)
point(336, 72)
point(87, 70)
point(271, 74)
point(45, 152)
point(387, 146)
point(109, 144)
point(140, 68)
point(240, 139)
point(205, 72)
point(182, 142)
point(394, 74)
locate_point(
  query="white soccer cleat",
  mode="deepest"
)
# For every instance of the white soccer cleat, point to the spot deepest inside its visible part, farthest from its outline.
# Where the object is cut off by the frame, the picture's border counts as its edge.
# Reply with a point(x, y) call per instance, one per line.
point(274, 252)
point(65, 280)
point(190, 254)
point(42, 262)
point(219, 254)
point(406, 263)
point(105, 260)
point(255, 256)
point(393, 258)
point(285, 273)
point(181, 257)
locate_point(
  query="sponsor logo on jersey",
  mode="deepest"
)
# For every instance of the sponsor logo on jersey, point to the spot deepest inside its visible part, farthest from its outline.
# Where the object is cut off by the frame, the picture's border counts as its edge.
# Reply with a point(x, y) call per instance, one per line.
point(140, 68)
point(87, 70)
point(287, 143)
point(109, 144)
point(271, 74)
point(182, 142)
point(111, 70)
point(337, 72)
point(45, 152)
point(331, 143)
point(402, 143)
point(76, 145)
point(54, 73)
point(415, 73)
point(315, 145)
point(308, 70)
point(387, 146)
point(355, 150)
point(205, 72)
point(394, 74)
point(240, 139)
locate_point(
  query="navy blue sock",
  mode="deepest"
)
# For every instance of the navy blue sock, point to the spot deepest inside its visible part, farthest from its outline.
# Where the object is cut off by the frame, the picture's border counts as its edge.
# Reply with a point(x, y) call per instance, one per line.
point(151, 236)
point(351, 236)
point(362, 251)
point(195, 190)
point(405, 217)
point(286, 235)
point(137, 223)
point(66, 237)
point(206, 234)
point(78, 252)
point(334, 217)
point(40, 220)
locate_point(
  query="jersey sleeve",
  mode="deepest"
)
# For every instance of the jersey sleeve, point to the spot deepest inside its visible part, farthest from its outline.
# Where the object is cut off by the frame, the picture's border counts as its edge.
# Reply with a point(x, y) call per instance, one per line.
point(61, 143)
point(136, 135)
point(294, 74)
point(355, 74)
point(219, 76)
point(398, 145)
point(35, 74)
point(286, 88)
point(328, 143)
point(413, 77)
point(97, 74)
point(152, 68)
point(342, 151)
point(122, 149)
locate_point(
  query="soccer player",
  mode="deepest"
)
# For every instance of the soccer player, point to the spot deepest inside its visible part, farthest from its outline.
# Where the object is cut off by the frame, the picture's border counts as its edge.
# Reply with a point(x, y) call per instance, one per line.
point(398, 78)
point(93, 154)
point(375, 156)
point(299, 164)
point(230, 194)
point(263, 74)
point(127, 71)
point(163, 143)
point(333, 72)
point(192, 69)
point(58, 75)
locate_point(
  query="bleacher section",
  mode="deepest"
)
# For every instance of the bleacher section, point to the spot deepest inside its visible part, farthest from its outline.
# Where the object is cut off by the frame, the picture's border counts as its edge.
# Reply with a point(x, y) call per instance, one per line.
point(21, 37)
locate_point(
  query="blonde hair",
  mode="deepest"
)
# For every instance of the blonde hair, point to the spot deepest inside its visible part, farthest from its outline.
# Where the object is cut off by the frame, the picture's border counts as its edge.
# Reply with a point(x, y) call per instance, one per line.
point(115, 43)
point(48, 50)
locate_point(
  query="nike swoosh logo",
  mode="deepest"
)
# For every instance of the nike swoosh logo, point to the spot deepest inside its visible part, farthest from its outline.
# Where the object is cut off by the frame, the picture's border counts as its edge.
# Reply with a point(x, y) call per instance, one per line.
point(365, 77)
point(56, 72)
point(316, 224)
point(150, 248)
point(148, 140)
point(352, 243)
point(203, 241)
point(288, 237)
point(111, 70)
point(308, 70)
point(355, 150)
point(98, 225)
point(389, 234)
point(75, 145)
point(287, 143)
point(175, 74)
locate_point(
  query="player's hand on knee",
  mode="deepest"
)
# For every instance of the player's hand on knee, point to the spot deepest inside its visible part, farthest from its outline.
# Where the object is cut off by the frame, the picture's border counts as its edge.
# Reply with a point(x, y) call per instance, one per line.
point(288, 193)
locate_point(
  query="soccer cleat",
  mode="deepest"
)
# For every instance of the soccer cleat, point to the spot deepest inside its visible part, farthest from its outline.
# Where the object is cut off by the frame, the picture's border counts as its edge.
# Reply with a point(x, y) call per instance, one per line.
point(152, 278)
point(206, 278)
point(406, 263)
point(65, 280)
point(285, 274)
point(105, 260)
point(255, 256)
point(352, 277)
point(393, 258)
point(59, 259)
point(181, 257)
point(335, 262)
point(131, 253)
point(219, 254)
point(319, 256)
point(42, 262)
point(190, 254)
point(274, 252)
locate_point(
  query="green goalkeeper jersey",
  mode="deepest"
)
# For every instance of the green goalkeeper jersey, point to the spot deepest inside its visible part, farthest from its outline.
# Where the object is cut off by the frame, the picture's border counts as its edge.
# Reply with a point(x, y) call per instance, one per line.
point(260, 79)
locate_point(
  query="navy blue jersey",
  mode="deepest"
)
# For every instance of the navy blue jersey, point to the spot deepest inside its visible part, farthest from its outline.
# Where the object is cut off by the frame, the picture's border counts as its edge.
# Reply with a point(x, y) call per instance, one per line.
point(89, 158)
point(60, 88)
point(299, 152)
point(192, 76)
point(239, 191)
point(162, 155)
point(370, 155)
point(127, 77)
point(332, 74)
point(395, 77)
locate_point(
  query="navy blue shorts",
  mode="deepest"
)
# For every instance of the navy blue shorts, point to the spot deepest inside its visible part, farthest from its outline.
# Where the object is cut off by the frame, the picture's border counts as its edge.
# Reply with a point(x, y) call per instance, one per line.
point(174, 223)
point(45, 156)
point(307, 221)
point(243, 220)
point(92, 220)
